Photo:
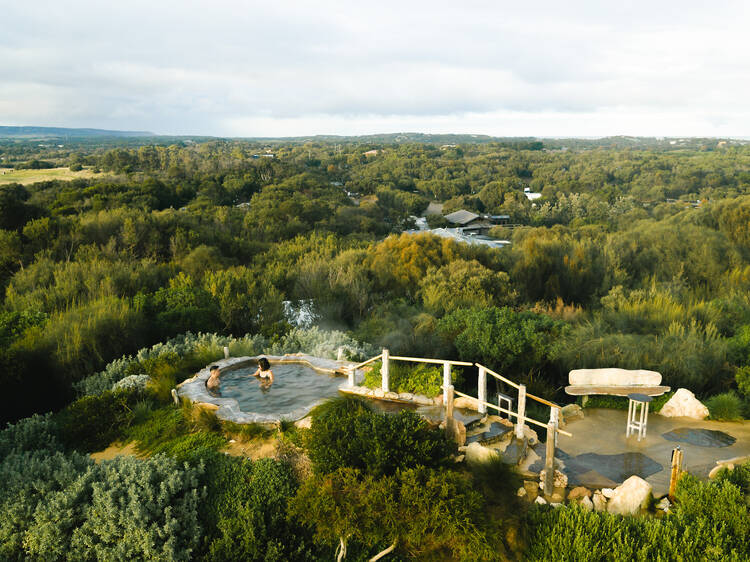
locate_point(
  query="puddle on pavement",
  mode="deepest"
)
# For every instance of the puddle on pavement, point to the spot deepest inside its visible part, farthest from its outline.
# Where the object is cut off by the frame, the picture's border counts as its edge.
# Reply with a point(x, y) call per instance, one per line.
point(595, 470)
point(700, 437)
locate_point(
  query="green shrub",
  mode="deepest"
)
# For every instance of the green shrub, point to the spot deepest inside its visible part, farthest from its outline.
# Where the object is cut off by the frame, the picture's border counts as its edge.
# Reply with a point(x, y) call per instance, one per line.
point(742, 378)
point(37, 433)
point(91, 423)
point(726, 406)
point(345, 433)
point(709, 521)
point(419, 379)
point(162, 426)
point(427, 514)
point(246, 512)
point(65, 507)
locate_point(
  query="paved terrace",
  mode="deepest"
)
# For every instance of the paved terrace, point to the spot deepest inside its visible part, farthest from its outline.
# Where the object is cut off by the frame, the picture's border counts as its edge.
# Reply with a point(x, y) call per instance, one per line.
point(598, 455)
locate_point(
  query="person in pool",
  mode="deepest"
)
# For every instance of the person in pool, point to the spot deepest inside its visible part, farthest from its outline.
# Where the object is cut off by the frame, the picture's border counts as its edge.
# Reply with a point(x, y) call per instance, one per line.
point(213, 380)
point(264, 372)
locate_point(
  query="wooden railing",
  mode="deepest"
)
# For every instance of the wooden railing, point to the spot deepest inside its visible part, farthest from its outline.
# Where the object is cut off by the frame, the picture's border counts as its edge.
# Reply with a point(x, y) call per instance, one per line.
point(449, 392)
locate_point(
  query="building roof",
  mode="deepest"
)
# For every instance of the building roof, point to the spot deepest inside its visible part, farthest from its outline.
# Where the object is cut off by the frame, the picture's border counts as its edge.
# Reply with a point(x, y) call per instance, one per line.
point(461, 217)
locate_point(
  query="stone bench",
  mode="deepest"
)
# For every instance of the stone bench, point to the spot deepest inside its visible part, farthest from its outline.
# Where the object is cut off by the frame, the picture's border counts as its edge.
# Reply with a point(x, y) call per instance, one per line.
point(614, 382)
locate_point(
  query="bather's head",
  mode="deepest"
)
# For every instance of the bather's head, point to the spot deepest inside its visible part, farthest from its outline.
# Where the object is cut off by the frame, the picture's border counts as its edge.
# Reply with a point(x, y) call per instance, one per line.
point(214, 370)
point(264, 364)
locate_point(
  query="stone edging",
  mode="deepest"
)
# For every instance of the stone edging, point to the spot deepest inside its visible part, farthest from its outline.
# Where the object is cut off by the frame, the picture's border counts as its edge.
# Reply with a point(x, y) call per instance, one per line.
point(404, 397)
point(194, 389)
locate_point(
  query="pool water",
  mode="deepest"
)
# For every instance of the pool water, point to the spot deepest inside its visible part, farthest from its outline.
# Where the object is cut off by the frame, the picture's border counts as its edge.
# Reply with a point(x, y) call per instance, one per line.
point(294, 386)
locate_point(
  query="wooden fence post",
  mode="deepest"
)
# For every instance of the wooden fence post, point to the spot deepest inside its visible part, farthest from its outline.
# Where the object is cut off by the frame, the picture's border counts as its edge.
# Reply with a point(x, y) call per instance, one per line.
point(447, 380)
point(385, 381)
point(226, 352)
point(482, 390)
point(554, 417)
point(521, 411)
point(549, 461)
point(448, 404)
point(676, 471)
point(351, 372)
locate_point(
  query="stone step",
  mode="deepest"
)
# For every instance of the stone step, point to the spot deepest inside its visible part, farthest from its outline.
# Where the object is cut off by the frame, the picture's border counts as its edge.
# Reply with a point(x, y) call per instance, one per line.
point(488, 435)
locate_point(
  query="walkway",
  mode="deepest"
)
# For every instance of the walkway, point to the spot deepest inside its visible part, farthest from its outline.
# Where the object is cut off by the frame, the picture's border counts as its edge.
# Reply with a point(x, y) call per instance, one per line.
point(599, 454)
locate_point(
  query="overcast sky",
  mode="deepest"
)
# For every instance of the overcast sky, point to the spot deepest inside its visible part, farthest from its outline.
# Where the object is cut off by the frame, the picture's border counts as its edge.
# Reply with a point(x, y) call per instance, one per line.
point(282, 68)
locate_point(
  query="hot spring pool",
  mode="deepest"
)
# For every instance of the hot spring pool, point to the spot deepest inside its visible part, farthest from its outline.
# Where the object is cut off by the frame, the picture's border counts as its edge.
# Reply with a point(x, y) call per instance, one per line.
point(300, 383)
point(294, 386)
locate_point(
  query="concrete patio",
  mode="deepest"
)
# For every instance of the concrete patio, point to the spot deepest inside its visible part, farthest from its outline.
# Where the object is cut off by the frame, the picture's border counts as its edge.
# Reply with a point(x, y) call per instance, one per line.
point(599, 455)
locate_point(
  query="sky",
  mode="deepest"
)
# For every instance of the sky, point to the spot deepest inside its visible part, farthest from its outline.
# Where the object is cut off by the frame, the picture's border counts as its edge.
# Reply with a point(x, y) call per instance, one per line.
point(289, 68)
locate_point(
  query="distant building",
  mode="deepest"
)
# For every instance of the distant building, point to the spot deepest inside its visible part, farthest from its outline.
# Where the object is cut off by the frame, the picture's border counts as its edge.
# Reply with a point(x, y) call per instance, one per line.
point(459, 236)
point(530, 195)
point(472, 223)
point(371, 153)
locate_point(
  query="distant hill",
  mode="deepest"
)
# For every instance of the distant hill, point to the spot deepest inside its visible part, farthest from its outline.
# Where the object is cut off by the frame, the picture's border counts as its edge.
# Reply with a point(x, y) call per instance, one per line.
point(397, 138)
point(61, 132)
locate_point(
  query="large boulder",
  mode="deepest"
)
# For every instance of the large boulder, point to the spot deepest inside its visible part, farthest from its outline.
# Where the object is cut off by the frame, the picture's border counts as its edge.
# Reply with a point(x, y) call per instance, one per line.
point(684, 404)
point(613, 377)
point(599, 501)
point(630, 497)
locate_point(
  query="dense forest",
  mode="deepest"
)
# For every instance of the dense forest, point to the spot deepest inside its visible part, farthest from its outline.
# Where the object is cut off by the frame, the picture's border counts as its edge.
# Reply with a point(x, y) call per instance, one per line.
point(636, 255)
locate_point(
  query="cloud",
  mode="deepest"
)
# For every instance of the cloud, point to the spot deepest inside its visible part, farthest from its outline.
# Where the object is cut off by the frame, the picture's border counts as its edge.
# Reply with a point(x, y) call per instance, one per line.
point(260, 68)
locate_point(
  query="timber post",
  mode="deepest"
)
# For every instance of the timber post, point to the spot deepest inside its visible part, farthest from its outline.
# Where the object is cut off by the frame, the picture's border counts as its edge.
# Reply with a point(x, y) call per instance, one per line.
point(447, 382)
point(482, 390)
point(226, 352)
point(676, 472)
point(549, 461)
point(521, 410)
point(384, 379)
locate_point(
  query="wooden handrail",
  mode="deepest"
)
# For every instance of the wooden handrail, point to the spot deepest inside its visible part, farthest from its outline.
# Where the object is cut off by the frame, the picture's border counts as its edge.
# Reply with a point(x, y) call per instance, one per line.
point(424, 360)
point(513, 384)
point(502, 378)
point(367, 362)
point(490, 405)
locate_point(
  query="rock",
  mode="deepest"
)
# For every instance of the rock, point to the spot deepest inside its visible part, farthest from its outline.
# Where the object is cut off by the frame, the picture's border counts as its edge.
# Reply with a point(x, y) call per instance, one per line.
point(530, 435)
point(460, 458)
point(531, 488)
point(466, 403)
point(521, 492)
point(304, 423)
point(407, 396)
point(728, 464)
point(579, 492)
point(555, 504)
point(232, 441)
point(438, 400)
point(586, 504)
point(664, 504)
point(540, 500)
point(571, 412)
point(456, 431)
point(391, 395)
point(599, 501)
point(378, 393)
point(630, 496)
point(684, 404)
point(422, 400)
point(560, 480)
point(613, 377)
point(608, 492)
point(476, 454)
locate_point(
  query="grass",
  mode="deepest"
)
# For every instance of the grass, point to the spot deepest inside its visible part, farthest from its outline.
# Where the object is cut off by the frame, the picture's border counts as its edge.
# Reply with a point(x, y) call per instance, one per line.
point(26, 177)
point(621, 402)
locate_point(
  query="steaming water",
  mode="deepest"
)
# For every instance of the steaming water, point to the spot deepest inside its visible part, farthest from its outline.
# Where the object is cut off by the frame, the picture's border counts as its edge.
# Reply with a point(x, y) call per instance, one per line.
point(294, 386)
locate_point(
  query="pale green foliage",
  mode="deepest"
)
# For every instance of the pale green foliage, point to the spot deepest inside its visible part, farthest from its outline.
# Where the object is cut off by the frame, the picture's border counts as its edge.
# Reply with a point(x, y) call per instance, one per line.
point(65, 507)
point(36, 433)
point(403, 377)
point(132, 382)
point(321, 343)
point(201, 348)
